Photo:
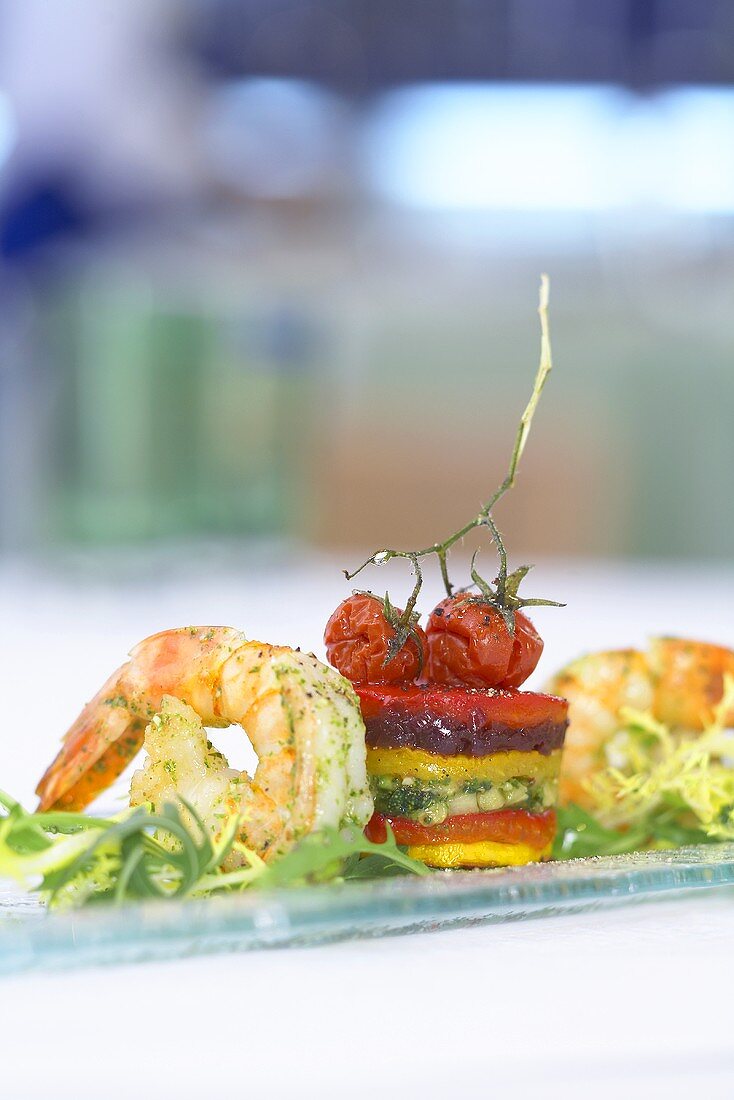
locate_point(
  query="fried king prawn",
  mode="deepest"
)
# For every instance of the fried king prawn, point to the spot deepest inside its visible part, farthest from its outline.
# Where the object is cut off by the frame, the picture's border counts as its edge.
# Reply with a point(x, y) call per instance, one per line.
point(302, 719)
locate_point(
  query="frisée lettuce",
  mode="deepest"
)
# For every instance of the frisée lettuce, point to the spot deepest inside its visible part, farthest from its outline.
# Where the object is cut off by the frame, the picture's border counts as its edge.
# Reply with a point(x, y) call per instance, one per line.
point(666, 789)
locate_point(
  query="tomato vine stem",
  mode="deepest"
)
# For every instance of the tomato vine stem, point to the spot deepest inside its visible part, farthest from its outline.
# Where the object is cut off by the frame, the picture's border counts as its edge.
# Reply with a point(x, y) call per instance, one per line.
point(504, 595)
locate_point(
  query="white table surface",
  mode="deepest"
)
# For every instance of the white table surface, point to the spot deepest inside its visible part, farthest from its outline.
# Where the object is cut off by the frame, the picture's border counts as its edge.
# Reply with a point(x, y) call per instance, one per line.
point(635, 1000)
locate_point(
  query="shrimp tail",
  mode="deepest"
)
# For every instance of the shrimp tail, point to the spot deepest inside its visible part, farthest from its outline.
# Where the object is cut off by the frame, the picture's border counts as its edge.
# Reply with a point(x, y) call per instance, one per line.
point(111, 729)
point(99, 745)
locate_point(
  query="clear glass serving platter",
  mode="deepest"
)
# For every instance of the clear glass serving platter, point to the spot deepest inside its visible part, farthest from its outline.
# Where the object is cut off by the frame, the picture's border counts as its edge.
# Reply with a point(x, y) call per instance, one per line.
point(31, 937)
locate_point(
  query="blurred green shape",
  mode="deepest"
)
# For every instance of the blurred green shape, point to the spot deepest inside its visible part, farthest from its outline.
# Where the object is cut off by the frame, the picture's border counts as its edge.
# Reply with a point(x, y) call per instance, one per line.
point(172, 428)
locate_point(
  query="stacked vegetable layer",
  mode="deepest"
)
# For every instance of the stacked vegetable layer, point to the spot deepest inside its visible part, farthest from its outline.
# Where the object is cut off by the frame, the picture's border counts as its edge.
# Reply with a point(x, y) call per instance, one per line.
point(463, 765)
point(463, 776)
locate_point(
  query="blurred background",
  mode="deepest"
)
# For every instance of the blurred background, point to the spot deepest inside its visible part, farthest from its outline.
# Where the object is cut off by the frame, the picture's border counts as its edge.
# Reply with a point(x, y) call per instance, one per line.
point(268, 273)
point(268, 287)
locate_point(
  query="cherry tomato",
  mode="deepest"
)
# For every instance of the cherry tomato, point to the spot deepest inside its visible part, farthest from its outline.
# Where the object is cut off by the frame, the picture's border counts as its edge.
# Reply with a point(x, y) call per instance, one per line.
point(501, 826)
point(469, 644)
point(357, 637)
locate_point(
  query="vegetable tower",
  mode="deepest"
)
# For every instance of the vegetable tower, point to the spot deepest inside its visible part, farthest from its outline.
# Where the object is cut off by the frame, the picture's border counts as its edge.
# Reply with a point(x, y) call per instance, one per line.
point(463, 766)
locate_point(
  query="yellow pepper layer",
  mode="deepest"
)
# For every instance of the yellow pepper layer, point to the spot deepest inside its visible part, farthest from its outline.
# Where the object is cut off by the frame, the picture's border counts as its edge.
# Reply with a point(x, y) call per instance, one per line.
point(428, 766)
point(483, 853)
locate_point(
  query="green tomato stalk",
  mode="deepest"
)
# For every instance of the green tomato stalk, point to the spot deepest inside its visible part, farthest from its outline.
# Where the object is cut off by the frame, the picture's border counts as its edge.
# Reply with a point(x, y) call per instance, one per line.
point(504, 594)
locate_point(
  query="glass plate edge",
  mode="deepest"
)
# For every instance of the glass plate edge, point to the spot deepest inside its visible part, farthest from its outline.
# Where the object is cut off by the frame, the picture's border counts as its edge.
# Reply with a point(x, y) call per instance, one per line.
point(31, 938)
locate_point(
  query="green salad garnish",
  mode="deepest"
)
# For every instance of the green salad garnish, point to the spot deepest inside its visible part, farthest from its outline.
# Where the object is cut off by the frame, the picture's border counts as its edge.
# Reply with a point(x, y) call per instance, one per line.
point(72, 859)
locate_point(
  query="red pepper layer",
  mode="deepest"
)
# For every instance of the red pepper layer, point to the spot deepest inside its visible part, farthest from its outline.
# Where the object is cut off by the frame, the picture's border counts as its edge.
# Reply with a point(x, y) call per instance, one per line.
point(502, 826)
point(517, 709)
point(470, 721)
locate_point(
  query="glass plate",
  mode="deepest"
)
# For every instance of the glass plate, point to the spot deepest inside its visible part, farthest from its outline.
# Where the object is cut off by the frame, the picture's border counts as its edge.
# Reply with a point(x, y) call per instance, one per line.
point(30, 937)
